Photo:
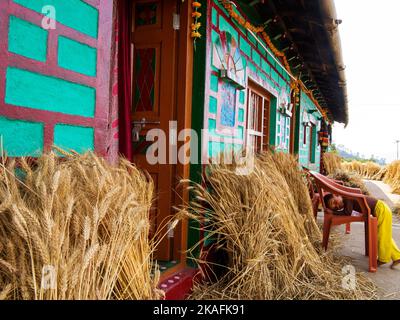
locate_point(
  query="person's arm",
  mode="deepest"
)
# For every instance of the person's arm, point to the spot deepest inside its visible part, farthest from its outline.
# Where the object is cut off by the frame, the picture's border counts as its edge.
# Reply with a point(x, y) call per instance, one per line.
point(347, 210)
point(348, 207)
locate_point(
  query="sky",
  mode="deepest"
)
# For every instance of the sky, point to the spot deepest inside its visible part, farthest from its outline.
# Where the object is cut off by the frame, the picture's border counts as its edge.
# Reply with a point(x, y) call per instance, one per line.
point(371, 53)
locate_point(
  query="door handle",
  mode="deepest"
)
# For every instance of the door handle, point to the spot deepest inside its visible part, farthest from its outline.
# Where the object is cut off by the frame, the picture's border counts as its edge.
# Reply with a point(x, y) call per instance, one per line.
point(143, 122)
point(138, 126)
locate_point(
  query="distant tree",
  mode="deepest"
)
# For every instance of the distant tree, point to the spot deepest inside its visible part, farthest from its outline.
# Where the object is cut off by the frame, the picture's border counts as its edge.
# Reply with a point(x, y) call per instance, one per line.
point(348, 155)
point(333, 148)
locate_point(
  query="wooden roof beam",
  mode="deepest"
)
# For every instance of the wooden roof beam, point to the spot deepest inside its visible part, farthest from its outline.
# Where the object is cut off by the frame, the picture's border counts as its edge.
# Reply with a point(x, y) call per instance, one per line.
point(254, 2)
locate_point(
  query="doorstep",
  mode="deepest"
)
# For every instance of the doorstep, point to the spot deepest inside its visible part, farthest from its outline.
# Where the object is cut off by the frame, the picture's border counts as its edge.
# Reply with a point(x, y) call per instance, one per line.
point(178, 285)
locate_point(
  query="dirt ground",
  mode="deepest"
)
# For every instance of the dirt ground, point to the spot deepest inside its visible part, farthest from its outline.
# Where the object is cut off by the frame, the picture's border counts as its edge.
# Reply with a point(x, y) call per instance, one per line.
point(386, 279)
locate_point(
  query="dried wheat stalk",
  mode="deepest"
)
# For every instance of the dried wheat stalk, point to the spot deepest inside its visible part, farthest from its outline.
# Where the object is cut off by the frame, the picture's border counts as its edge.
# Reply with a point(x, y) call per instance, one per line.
point(264, 223)
point(80, 216)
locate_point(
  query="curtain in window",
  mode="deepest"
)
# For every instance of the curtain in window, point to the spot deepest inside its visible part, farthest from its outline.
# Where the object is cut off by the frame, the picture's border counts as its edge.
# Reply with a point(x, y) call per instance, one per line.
point(124, 77)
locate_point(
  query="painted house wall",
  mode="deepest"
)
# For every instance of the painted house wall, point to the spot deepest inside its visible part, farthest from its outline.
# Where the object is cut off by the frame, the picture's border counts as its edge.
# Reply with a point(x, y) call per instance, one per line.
point(54, 83)
point(306, 104)
point(260, 67)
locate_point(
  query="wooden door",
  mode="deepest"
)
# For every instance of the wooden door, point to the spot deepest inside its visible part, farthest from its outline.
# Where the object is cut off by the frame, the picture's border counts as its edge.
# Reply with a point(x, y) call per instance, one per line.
point(153, 80)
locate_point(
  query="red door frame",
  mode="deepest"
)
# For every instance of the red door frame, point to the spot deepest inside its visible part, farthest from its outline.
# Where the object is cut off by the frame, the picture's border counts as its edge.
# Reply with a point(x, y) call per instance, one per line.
point(177, 281)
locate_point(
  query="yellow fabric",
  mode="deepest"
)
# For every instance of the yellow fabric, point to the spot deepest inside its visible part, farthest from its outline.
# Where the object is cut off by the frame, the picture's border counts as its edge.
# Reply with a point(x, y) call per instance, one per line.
point(387, 248)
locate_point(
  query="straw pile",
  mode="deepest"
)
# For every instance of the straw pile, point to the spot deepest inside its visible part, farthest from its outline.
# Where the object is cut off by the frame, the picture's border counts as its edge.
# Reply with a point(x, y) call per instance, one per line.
point(350, 179)
point(287, 166)
point(396, 209)
point(380, 175)
point(392, 176)
point(367, 170)
point(264, 223)
point(332, 162)
point(75, 229)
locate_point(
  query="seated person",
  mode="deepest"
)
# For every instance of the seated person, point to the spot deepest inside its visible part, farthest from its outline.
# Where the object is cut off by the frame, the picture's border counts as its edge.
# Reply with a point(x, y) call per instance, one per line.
point(387, 248)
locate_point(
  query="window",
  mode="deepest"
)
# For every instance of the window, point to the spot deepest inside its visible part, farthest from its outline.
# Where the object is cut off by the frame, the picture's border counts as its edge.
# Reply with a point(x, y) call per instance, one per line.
point(313, 142)
point(305, 127)
point(283, 135)
point(257, 119)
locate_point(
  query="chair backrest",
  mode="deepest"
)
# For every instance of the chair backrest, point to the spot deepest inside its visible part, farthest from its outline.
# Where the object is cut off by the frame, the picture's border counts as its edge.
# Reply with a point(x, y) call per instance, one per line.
point(339, 184)
point(326, 185)
point(336, 183)
point(310, 184)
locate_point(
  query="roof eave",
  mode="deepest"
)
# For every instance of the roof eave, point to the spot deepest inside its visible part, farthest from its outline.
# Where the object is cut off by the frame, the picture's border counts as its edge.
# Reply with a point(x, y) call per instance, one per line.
point(328, 11)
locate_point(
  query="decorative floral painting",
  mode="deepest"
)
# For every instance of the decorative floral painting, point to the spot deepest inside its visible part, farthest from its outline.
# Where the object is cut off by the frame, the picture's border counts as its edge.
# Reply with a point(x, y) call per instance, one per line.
point(228, 104)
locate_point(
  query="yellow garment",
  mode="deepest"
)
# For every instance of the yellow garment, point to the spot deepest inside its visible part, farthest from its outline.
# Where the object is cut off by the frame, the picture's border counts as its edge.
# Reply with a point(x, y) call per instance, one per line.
point(387, 248)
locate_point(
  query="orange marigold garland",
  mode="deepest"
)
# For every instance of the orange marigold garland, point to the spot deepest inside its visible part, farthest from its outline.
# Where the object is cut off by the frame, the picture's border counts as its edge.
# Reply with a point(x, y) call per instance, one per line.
point(257, 30)
point(239, 19)
point(195, 34)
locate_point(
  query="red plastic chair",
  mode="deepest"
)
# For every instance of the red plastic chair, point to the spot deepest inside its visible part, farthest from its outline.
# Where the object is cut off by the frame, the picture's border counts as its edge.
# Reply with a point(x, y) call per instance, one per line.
point(315, 198)
point(326, 185)
point(340, 184)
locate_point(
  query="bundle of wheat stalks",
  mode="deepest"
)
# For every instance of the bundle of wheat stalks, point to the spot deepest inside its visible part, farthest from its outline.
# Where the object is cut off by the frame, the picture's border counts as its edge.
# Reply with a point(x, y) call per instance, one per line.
point(367, 170)
point(381, 174)
point(350, 179)
point(332, 162)
point(264, 222)
point(75, 228)
point(392, 176)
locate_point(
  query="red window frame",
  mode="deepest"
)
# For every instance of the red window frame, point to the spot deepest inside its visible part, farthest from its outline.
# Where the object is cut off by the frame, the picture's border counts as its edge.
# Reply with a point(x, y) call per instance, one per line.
point(258, 118)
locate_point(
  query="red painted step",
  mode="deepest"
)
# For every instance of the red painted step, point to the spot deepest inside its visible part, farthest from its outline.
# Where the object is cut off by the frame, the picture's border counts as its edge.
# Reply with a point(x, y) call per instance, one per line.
point(179, 285)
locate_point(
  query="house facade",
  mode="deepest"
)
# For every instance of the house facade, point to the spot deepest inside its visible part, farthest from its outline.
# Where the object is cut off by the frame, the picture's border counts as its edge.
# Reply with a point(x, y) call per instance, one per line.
point(100, 75)
point(266, 108)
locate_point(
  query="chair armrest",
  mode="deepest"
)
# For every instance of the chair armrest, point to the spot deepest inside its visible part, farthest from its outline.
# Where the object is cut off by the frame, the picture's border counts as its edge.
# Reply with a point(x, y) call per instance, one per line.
point(329, 211)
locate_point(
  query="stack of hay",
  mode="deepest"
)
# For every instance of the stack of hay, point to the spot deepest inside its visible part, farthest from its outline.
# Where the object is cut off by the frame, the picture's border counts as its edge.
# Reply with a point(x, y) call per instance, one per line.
point(332, 162)
point(75, 228)
point(380, 175)
point(265, 224)
point(392, 176)
point(350, 179)
point(367, 170)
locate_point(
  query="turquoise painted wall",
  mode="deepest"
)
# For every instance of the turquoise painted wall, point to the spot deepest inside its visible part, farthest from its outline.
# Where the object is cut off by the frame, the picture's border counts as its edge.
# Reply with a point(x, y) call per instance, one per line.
point(36, 91)
point(75, 14)
point(27, 39)
point(75, 138)
point(78, 57)
point(50, 92)
point(306, 105)
point(20, 138)
point(262, 69)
